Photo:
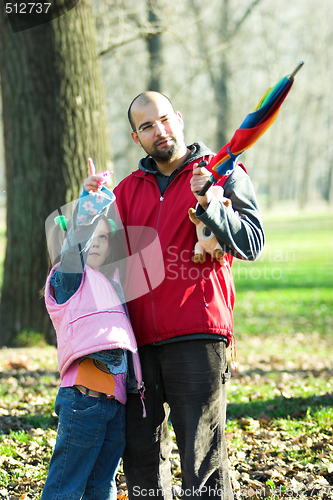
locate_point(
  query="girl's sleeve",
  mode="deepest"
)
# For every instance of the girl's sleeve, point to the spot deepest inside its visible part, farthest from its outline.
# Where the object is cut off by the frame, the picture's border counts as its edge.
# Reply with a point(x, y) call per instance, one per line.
point(89, 209)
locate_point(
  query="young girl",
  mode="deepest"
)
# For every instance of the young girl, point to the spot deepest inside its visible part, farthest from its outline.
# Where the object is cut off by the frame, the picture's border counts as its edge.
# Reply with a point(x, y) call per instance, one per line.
point(97, 354)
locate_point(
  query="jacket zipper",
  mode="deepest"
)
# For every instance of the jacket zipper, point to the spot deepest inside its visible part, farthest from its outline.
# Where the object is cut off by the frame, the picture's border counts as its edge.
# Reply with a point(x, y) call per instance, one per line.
point(150, 289)
point(156, 228)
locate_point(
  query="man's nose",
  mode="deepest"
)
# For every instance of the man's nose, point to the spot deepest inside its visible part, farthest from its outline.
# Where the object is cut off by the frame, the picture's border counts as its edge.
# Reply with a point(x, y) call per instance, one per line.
point(160, 128)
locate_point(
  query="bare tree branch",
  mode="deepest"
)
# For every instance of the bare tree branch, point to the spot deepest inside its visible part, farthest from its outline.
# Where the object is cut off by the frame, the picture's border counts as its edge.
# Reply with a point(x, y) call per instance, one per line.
point(219, 47)
point(185, 45)
point(244, 17)
point(111, 48)
point(143, 35)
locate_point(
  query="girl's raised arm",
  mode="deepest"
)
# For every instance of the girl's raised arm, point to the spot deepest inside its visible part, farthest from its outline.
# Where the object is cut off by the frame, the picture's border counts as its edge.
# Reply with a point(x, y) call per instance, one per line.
point(92, 183)
point(95, 181)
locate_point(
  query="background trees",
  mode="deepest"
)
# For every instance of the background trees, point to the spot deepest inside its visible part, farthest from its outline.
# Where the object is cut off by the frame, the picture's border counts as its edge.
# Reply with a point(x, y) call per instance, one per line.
point(237, 50)
point(214, 60)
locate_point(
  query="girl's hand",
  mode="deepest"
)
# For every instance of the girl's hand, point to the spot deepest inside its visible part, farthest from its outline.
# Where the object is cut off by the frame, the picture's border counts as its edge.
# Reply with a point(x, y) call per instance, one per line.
point(93, 182)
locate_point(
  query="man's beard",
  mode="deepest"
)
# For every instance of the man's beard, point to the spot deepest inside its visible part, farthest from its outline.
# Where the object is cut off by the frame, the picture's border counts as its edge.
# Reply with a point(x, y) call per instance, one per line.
point(167, 153)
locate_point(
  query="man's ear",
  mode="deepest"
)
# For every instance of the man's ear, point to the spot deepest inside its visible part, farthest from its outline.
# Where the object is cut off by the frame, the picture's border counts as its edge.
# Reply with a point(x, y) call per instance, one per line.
point(180, 118)
point(136, 139)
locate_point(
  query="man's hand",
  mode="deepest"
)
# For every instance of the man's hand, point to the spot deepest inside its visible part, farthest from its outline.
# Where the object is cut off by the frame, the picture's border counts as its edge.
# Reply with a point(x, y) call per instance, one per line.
point(199, 179)
point(93, 182)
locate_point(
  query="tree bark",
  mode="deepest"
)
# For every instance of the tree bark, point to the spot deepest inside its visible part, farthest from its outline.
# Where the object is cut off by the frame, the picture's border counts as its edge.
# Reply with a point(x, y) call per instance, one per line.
point(54, 119)
point(154, 43)
point(220, 75)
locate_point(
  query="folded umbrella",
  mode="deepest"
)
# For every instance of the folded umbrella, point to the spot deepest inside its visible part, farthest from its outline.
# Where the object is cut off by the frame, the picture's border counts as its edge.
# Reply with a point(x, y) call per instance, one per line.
point(254, 125)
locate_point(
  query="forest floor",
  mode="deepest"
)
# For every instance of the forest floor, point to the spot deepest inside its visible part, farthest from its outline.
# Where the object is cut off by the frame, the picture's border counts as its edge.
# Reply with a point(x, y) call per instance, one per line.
point(279, 427)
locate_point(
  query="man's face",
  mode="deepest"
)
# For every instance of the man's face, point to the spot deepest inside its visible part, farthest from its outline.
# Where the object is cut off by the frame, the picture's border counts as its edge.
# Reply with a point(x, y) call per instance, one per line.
point(159, 130)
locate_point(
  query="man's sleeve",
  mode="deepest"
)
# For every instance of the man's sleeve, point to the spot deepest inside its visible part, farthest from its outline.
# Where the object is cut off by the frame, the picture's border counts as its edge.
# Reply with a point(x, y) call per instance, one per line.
point(238, 228)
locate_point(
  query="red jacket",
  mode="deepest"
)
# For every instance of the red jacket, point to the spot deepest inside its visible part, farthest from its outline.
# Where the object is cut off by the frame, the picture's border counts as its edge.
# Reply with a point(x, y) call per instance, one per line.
point(192, 298)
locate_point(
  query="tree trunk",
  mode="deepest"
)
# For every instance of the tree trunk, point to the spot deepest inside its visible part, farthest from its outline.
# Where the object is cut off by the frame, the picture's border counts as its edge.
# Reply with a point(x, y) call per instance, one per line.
point(305, 187)
point(154, 43)
point(222, 82)
point(219, 78)
point(54, 119)
point(223, 108)
point(329, 196)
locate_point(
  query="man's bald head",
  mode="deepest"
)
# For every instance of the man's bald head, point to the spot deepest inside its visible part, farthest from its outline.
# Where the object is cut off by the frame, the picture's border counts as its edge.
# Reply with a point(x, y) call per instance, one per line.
point(144, 99)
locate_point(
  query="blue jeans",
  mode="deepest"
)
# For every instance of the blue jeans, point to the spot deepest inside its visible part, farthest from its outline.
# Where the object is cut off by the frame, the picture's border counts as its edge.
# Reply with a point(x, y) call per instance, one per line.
point(186, 379)
point(90, 442)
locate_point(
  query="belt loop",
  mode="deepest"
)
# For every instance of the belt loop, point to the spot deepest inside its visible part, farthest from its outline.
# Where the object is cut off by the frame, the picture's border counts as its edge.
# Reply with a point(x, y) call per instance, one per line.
point(87, 392)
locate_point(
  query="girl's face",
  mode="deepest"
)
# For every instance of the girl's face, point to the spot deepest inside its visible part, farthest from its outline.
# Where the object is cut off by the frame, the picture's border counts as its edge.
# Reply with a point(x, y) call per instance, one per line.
point(100, 245)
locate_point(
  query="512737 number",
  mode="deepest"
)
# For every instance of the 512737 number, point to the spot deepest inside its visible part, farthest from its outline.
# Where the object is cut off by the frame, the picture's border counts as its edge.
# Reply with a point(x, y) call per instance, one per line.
point(27, 8)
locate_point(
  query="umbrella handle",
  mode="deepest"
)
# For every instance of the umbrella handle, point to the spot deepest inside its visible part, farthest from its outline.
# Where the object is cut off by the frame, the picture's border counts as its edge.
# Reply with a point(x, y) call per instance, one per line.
point(293, 74)
point(204, 189)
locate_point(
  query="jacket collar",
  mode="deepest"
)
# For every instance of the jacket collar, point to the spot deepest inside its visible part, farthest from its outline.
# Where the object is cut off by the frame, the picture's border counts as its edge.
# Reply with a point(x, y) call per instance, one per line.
point(198, 149)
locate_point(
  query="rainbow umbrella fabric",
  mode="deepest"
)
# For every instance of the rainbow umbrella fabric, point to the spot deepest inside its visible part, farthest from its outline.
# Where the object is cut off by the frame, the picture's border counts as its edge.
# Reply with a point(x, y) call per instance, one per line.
point(254, 125)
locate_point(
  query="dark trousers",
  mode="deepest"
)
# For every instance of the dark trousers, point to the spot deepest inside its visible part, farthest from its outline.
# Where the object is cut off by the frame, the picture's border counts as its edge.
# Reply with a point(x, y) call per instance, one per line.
point(186, 378)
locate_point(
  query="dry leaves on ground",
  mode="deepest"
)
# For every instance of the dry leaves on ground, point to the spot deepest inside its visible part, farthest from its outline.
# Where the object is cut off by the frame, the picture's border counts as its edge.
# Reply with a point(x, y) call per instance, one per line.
point(269, 457)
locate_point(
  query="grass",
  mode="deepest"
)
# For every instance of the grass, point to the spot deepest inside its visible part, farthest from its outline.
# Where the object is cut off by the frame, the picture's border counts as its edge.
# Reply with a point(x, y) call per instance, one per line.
point(280, 402)
point(298, 254)
point(284, 334)
point(289, 288)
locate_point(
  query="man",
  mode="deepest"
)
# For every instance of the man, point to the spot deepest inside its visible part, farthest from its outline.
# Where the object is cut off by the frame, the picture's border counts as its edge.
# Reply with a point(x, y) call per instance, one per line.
point(184, 325)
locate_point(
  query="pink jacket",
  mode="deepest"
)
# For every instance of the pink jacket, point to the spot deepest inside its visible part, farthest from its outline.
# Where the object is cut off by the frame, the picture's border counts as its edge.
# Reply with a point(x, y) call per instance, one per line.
point(92, 320)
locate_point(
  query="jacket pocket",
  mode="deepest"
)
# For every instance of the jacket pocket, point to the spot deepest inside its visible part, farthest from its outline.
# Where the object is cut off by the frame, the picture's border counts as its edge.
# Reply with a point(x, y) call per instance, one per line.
point(95, 313)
